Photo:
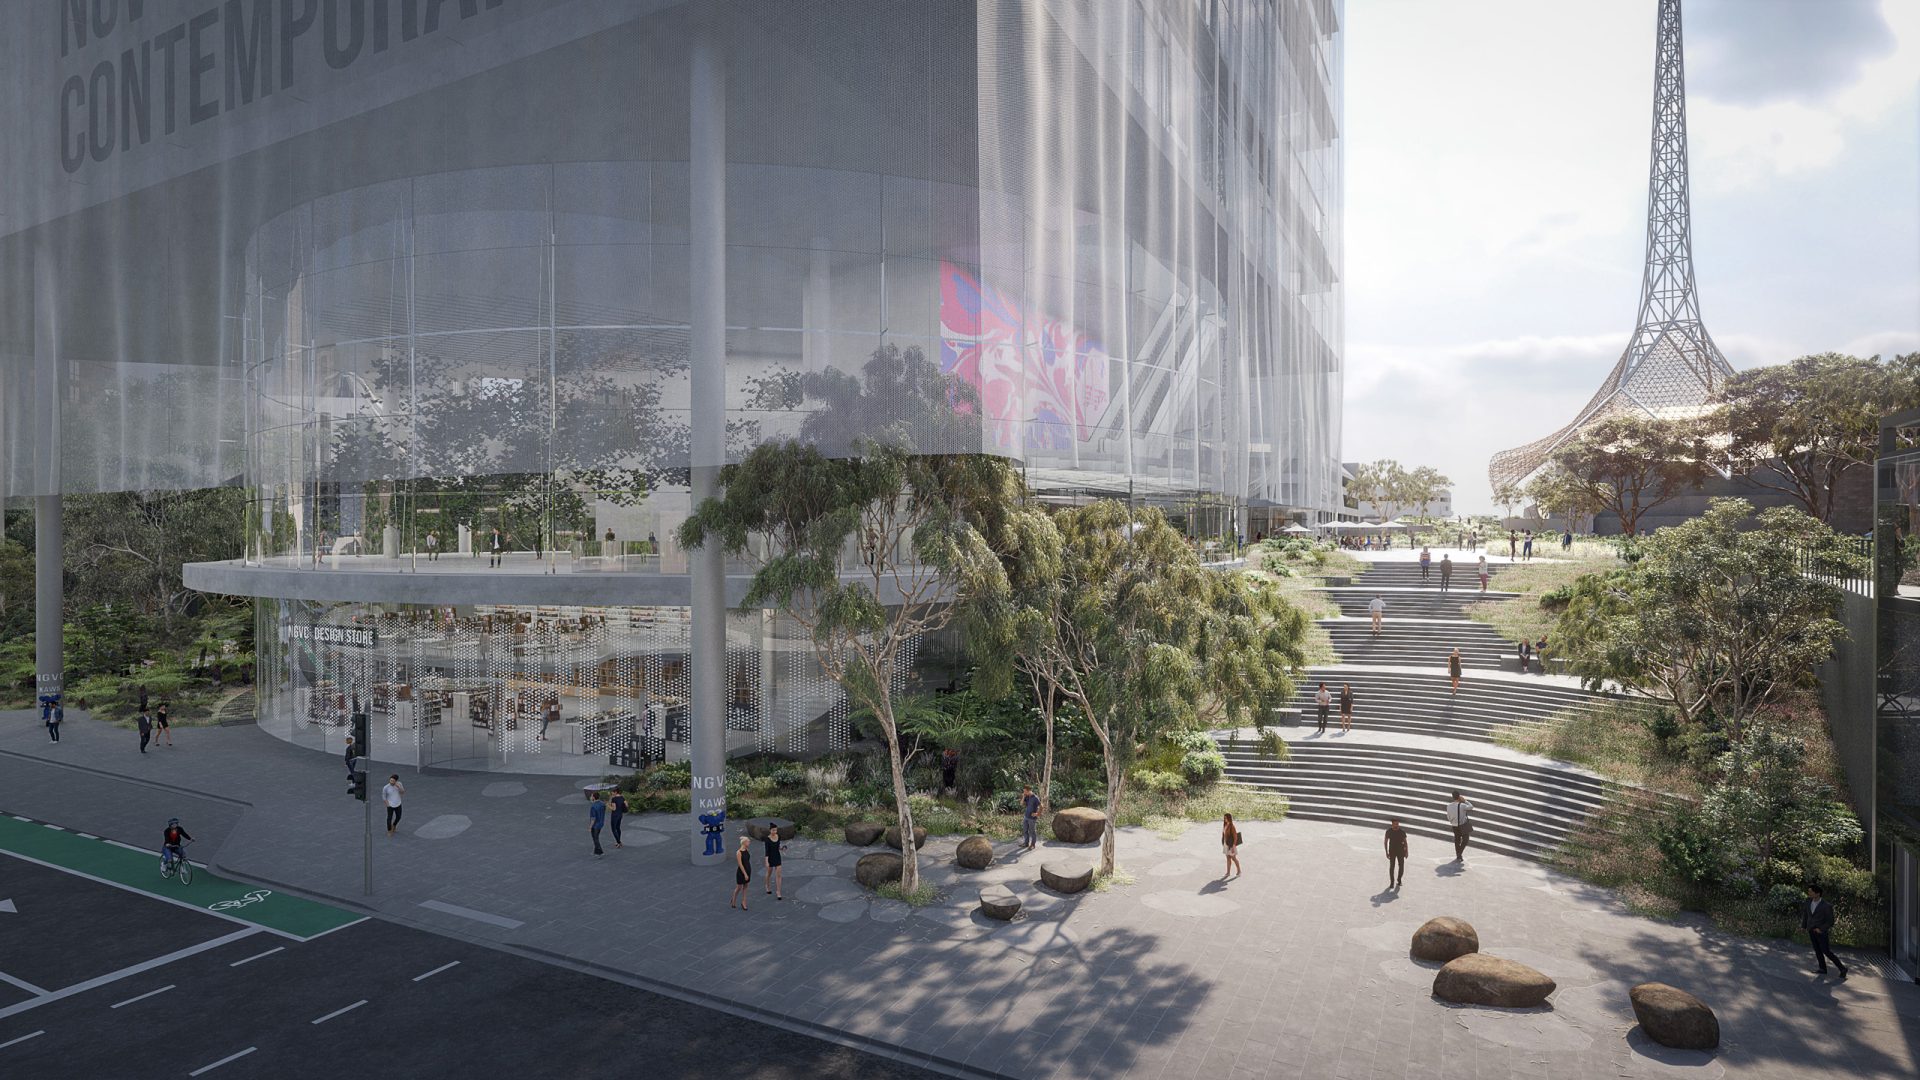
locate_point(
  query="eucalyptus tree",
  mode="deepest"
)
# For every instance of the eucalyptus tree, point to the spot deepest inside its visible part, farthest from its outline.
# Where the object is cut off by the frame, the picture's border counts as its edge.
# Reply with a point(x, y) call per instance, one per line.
point(874, 541)
point(1149, 641)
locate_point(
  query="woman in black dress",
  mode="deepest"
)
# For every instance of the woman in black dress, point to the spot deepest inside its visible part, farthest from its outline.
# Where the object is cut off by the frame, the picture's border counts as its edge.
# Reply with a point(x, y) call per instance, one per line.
point(774, 879)
point(742, 872)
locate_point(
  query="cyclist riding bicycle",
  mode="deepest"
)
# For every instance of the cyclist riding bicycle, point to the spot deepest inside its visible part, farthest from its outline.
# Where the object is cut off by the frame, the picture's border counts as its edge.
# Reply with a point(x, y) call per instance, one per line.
point(171, 841)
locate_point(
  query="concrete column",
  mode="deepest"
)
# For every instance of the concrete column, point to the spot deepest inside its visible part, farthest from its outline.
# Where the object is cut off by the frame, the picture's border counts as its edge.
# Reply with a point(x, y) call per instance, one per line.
point(49, 592)
point(49, 654)
point(707, 361)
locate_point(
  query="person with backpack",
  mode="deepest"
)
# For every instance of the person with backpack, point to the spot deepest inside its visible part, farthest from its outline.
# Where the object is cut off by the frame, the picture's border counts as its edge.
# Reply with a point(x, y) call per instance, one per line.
point(1230, 845)
point(1460, 818)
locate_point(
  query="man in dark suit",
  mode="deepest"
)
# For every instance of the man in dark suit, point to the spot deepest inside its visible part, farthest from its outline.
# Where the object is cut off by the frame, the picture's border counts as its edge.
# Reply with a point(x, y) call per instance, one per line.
point(1816, 918)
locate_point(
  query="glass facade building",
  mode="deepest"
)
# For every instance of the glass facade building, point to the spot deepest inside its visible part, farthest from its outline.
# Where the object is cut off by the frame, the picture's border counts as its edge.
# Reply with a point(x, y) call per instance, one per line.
point(421, 275)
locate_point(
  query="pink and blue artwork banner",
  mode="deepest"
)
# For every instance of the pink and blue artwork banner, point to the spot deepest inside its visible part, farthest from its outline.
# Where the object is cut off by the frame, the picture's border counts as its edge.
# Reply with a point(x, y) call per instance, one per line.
point(1030, 370)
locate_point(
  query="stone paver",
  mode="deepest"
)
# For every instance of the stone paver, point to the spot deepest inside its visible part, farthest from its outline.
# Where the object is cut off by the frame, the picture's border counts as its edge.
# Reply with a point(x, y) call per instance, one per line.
point(1298, 969)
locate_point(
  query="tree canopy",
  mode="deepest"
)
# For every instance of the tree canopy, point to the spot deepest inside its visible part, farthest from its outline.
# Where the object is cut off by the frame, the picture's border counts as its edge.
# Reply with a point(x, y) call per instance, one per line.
point(1728, 610)
point(1797, 427)
point(1632, 464)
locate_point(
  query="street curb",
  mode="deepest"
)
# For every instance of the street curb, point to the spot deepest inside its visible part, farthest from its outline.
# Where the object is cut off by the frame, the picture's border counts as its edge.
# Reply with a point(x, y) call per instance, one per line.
point(105, 775)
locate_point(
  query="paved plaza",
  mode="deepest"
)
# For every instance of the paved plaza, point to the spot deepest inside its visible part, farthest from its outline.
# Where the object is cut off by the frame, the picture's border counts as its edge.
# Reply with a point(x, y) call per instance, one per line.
point(1299, 968)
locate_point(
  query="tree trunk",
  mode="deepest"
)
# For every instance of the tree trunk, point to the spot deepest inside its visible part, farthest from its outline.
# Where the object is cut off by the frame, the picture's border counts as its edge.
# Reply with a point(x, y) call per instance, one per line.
point(1116, 778)
point(1045, 694)
point(909, 852)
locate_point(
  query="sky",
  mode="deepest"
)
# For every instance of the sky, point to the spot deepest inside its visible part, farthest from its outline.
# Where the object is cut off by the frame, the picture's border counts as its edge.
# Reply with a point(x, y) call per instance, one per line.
point(1496, 188)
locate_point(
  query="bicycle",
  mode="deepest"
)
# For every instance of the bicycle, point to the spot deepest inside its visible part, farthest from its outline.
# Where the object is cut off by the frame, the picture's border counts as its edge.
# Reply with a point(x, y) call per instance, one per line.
point(183, 866)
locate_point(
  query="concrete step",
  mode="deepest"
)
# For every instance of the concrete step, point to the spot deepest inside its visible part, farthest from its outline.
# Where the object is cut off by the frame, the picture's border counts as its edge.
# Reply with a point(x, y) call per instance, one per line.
point(1403, 604)
point(1521, 808)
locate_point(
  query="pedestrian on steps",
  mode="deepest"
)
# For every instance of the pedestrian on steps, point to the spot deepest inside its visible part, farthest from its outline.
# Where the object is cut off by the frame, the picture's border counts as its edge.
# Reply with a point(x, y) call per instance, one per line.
point(1426, 561)
point(1460, 817)
point(1483, 575)
point(1377, 609)
point(1396, 853)
point(1325, 700)
point(1446, 572)
point(1346, 706)
point(1453, 668)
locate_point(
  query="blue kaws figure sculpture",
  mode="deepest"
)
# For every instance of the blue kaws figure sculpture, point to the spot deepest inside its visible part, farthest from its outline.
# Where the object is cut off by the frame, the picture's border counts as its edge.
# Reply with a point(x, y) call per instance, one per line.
point(714, 825)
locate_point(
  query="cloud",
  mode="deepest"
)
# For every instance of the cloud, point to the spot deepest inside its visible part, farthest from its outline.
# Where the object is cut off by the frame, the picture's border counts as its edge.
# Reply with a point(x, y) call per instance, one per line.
point(1788, 86)
point(1757, 52)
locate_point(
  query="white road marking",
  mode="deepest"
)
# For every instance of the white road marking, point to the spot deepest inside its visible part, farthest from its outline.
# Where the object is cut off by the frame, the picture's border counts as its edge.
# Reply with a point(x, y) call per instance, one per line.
point(55, 828)
point(22, 984)
point(23, 1038)
point(256, 956)
point(338, 1012)
point(330, 930)
point(162, 897)
point(142, 997)
point(436, 971)
point(86, 836)
point(476, 916)
point(128, 972)
point(7, 906)
point(223, 1061)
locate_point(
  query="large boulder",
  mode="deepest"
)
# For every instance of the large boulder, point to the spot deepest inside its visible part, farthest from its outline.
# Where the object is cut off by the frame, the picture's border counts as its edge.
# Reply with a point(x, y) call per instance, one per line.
point(1444, 939)
point(876, 869)
point(893, 837)
point(1479, 979)
point(757, 828)
point(1079, 825)
point(862, 833)
point(1672, 1017)
point(1066, 877)
point(974, 853)
point(999, 902)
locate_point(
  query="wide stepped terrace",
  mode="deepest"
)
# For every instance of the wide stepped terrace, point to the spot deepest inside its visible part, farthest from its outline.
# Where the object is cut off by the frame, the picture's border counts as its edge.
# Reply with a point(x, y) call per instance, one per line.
point(1413, 741)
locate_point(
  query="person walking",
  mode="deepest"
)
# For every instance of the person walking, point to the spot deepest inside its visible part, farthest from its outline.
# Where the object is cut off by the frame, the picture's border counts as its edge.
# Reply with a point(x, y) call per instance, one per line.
point(1029, 818)
point(775, 881)
point(1816, 918)
point(1526, 545)
point(596, 820)
point(496, 547)
point(145, 724)
point(949, 768)
point(1426, 561)
point(163, 726)
point(1377, 609)
point(1566, 541)
point(1513, 545)
point(1446, 572)
point(391, 795)
point(1324, 699)
point(1453, 668)
point(550, 716)
point(55, 714)
point(1526, 654)
point(1460, 817)
point(1396, 853)
point(618, 806)
point(1346, 706)
point(742, 872)
point(1482, 570)
point(1230, 845)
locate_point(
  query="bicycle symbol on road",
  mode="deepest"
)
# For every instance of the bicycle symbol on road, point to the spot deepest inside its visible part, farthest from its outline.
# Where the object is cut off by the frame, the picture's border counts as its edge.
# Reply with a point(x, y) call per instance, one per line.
point(253, 897)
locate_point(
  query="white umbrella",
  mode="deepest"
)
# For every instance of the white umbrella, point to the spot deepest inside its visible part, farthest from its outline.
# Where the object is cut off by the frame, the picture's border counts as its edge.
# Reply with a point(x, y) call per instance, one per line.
point(1298, 530)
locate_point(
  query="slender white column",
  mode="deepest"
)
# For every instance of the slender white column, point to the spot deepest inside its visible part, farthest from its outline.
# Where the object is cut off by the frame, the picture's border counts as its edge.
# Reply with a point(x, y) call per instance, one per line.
point(707, 359)
point(48, 593)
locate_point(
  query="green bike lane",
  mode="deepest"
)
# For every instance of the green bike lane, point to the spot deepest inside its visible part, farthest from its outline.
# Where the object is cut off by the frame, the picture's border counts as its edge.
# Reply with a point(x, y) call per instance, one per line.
point(138, 871)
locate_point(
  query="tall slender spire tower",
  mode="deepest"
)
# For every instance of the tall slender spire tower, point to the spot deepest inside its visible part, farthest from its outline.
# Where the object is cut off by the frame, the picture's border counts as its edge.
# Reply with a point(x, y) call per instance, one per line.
point(1671, 367)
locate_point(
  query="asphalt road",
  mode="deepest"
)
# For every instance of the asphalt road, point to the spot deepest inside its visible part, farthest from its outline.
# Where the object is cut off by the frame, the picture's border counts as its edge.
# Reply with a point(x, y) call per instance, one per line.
point(372, 998)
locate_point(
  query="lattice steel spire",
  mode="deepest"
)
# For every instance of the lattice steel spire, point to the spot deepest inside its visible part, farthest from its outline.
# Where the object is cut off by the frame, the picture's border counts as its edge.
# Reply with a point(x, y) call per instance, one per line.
point(1671, 367)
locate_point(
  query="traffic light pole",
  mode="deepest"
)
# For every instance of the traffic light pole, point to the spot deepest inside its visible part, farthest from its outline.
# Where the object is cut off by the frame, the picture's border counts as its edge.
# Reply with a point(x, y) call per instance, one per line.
point(368, 803)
